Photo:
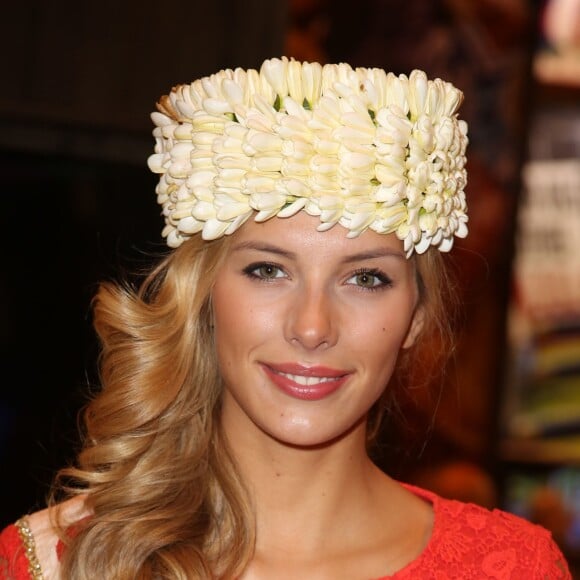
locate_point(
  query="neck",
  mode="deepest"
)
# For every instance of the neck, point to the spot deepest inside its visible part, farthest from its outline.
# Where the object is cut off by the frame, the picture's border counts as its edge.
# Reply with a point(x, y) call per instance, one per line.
point(304, 494)
point(325, 507)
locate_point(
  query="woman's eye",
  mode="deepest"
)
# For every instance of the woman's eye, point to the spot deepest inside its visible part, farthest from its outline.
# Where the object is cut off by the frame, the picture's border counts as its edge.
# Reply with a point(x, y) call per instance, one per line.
point(371, 279)
point(264, 271)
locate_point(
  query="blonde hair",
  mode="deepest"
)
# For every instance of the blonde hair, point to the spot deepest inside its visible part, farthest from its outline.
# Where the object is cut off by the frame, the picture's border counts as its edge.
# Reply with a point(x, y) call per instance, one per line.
point(166, 497)
point(168, 501)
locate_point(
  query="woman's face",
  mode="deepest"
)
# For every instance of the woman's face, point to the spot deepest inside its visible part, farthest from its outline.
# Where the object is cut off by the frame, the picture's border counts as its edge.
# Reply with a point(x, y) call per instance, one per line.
point(308, 326)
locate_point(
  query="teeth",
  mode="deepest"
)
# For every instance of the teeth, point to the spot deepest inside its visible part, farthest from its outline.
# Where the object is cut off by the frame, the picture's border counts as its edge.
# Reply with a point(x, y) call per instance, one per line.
point(306, 381)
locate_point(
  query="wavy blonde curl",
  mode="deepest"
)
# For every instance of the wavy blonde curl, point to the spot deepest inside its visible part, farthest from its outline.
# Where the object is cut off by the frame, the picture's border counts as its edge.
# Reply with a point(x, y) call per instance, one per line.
point(166, 496)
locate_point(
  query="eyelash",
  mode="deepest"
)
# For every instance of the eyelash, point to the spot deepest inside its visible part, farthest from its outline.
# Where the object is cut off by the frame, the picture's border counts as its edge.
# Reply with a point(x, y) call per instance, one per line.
point(250, 271)
point(383, 280)
point(381, 277)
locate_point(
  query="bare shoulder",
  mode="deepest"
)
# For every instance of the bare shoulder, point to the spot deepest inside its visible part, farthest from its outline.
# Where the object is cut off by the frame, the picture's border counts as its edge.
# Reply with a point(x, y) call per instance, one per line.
point(44, 529)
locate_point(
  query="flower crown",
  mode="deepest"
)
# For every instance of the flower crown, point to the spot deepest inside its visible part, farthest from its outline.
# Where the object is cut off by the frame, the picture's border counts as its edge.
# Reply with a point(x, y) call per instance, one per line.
point(359, 147)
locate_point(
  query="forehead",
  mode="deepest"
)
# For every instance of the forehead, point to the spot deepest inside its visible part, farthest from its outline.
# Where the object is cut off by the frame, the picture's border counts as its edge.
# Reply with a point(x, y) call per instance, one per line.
point(298, 234)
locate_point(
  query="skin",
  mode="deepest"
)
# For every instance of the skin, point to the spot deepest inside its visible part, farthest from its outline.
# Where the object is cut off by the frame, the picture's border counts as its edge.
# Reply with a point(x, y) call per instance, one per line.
point(345, 307)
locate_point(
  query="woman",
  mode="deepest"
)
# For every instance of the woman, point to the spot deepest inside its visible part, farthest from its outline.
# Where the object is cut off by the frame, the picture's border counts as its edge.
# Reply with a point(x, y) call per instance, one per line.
point(243, 381)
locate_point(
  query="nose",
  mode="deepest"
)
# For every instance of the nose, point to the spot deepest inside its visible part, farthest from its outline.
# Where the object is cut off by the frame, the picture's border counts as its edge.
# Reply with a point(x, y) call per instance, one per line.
point(311, 321)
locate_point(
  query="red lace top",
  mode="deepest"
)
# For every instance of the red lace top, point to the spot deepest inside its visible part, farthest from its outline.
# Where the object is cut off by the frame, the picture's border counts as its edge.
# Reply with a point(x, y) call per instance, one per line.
point(467, 542)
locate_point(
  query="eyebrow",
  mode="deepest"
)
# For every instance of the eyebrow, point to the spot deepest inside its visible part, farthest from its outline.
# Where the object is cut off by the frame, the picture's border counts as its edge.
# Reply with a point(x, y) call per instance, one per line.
point(370, 254)
point(263, 247)
point(350, 258)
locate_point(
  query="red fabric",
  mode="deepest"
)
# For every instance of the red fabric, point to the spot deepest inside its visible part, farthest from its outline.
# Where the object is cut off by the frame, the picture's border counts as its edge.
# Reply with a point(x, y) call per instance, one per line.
point(468, 543)
point(13, 561)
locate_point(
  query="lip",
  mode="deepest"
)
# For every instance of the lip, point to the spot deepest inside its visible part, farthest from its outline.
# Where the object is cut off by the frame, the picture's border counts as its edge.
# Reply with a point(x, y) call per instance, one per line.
point(331, 380)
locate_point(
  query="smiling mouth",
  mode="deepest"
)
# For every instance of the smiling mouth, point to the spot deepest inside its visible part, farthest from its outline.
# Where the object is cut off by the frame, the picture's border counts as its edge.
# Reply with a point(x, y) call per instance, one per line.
point(310, 384)
point(306, 381)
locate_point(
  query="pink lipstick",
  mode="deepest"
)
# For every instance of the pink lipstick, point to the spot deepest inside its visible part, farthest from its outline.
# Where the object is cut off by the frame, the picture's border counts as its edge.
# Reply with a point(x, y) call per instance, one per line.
point(307, 383)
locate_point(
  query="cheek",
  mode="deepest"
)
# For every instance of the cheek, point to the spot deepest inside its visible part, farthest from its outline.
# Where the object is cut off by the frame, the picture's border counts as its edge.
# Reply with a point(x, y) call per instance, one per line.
point(240, 323)
point(381, 337)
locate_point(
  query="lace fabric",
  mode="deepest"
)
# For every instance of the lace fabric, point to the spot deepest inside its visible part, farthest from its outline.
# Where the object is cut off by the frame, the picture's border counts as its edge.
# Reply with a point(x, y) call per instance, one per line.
point(471, 542)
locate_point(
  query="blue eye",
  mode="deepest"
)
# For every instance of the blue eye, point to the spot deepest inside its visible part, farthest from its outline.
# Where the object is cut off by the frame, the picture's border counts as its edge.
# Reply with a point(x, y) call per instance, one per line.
point(264, 271)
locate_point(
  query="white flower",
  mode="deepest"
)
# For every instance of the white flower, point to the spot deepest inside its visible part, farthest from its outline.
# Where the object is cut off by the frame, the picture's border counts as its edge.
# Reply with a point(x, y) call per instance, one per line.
point(358, 147)
point(291, 208)
point(275, 71)
point(311, 81)
point(418, 89)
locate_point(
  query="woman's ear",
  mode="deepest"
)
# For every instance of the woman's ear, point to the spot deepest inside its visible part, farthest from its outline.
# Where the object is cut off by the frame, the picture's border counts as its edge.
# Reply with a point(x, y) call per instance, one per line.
point(415, 327)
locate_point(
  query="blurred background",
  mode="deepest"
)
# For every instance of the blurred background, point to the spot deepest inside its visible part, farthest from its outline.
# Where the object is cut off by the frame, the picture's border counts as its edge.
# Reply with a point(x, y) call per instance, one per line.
point(79, 81)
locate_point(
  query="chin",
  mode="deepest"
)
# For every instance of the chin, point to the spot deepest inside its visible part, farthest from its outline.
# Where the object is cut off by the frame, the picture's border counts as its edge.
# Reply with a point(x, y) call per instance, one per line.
point(316, 436)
